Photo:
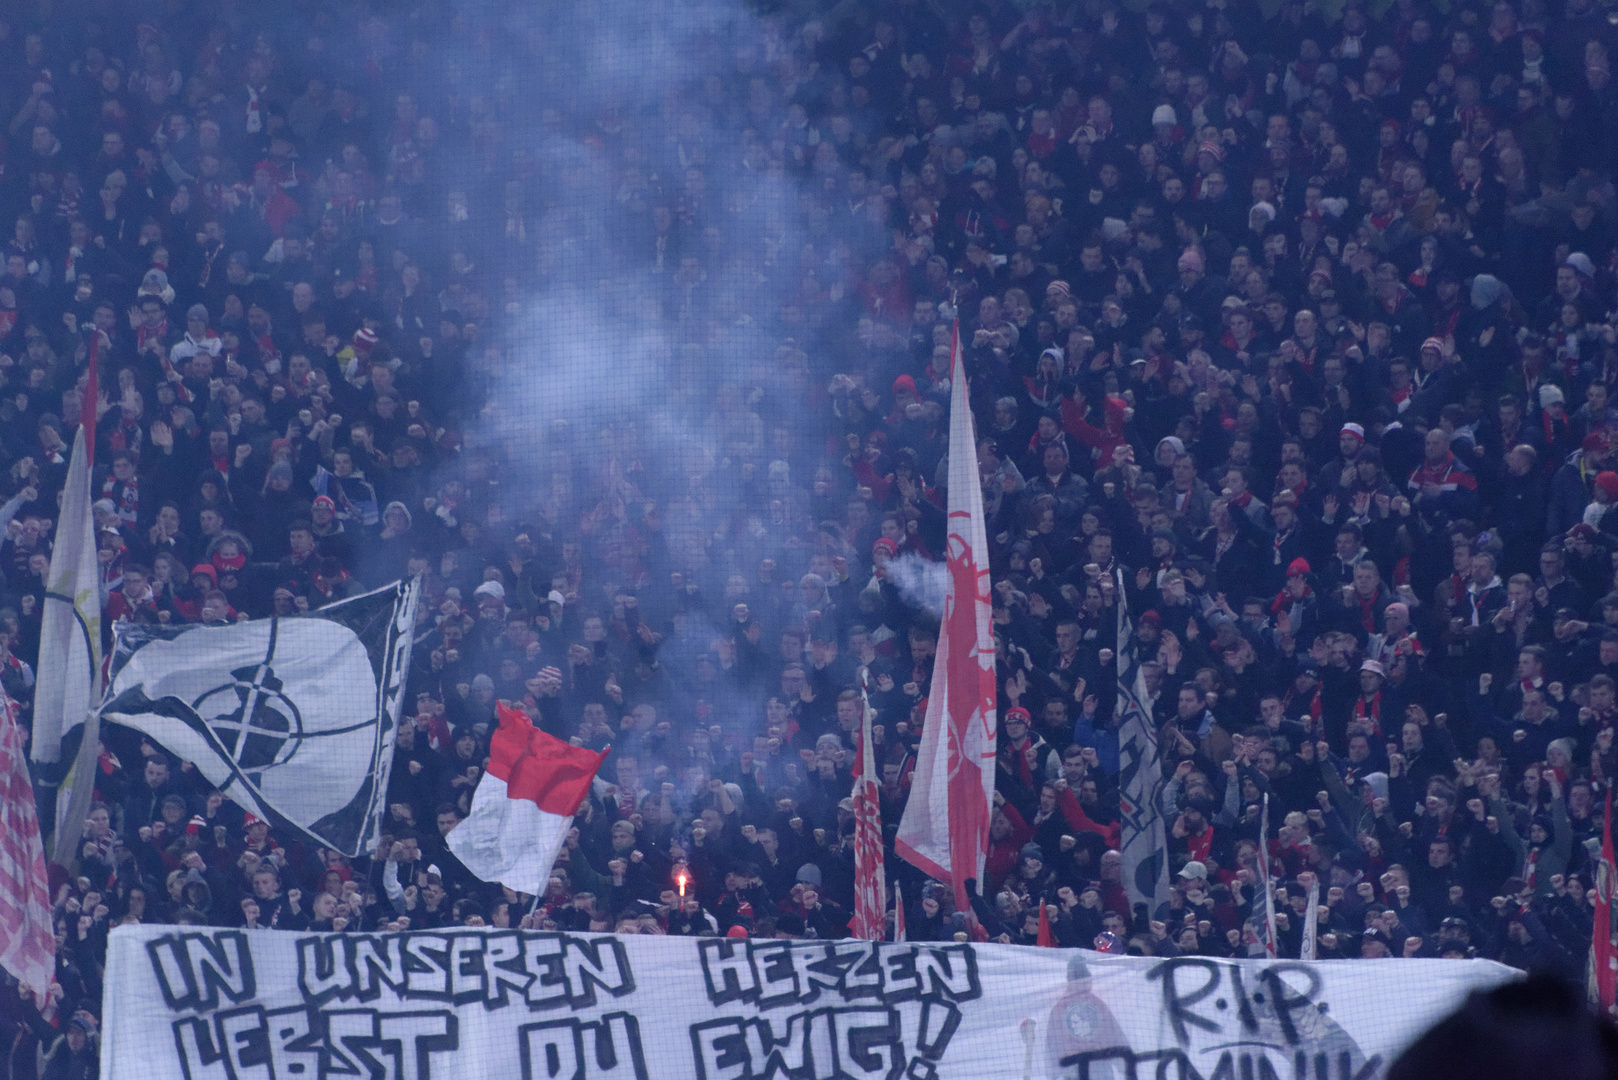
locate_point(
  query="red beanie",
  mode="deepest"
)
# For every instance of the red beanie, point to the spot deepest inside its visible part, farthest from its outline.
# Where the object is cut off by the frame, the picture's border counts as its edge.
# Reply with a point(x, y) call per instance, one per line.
point(1298, 568)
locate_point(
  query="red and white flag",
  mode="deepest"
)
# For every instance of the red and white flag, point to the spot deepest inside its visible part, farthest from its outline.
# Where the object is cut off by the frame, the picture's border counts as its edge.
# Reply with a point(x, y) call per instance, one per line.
point(27, 944)
point(945, 828)
point(524, 805)
point(1604, 942)
point(870, 878)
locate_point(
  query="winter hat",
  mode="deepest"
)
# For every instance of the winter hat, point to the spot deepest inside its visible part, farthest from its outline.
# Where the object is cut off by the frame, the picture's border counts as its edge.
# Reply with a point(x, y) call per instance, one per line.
point(198, 312)
point(1017, 712)
point(1353, 429)
point(279, 469)
point(1607, 481)
point(364, 340)
point(1581, 263)
point(1164, 114)
point(1550, 395)
point(1298, 568)
point(1435, 344)
point(1486, 289)
point(324, 500)
point(1374, 667)
point(809, 874)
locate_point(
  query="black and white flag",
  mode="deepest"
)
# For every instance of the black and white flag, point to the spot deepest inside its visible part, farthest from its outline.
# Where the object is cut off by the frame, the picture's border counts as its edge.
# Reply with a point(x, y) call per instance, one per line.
point(292, 718)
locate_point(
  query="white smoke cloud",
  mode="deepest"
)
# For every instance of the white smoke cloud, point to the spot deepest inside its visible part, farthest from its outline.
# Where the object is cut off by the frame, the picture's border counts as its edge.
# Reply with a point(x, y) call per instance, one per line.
point(922, 582)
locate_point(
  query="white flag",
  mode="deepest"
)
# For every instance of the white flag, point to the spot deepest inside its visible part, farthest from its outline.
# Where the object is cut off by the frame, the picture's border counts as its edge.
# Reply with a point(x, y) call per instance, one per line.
point(69, 682)
point(293, 718)
point(945, 828)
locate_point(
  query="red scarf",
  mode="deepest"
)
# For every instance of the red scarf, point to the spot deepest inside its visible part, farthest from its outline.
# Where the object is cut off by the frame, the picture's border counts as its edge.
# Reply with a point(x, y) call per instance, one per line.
point(158, 333)
point(1371, 710)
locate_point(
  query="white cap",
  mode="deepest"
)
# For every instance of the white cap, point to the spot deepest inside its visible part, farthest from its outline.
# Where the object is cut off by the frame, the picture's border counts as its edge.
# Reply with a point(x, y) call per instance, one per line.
point(491, 588)
point(1164, 114)
point(557, 598)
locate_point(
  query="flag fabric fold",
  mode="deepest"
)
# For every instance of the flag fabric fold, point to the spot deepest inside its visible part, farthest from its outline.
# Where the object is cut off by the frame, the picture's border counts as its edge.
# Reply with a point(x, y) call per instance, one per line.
point(945, 828)
point(293, 718)
point(1144, 843)
point(1604, 942)
point(1046, 939)
point(67, 687)
point(68, 684)
point(524, 804)
point(870, 878)
point(27, 943)
point(1311, 921)
point(1265, 881)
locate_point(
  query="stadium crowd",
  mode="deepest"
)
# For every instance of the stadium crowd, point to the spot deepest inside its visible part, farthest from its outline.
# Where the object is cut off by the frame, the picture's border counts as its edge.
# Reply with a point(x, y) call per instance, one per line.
point(1291, 330)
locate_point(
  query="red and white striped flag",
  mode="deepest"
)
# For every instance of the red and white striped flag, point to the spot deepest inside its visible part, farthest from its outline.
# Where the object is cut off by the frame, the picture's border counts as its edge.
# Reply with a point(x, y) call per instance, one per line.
point(945, 828)
point(870, 878)
point(27, 944)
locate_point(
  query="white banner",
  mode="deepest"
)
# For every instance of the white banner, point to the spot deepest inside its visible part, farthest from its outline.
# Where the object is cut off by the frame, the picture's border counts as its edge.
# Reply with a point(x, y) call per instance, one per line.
point(212, 1004)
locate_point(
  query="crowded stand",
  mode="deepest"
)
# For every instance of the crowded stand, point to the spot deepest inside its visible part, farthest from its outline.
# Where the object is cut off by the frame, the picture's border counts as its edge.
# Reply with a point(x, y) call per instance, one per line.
point(1292, 332)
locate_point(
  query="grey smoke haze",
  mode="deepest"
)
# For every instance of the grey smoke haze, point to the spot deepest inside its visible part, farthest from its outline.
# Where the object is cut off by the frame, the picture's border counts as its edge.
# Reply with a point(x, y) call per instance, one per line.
point(629, 113)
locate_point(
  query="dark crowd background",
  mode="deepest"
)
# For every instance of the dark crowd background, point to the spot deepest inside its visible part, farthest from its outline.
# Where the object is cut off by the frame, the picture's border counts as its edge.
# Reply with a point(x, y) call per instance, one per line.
point(627, 327)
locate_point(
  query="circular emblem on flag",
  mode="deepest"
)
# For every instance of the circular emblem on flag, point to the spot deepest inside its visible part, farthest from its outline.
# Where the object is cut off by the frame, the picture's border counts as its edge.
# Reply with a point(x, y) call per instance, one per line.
point(1082, 1019)
point(253, 719)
